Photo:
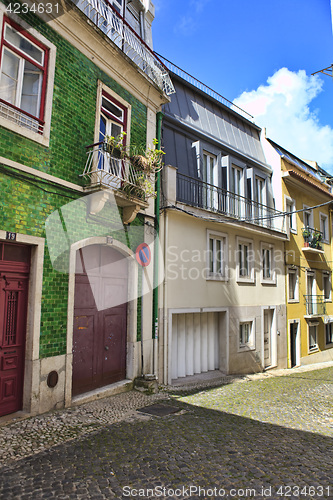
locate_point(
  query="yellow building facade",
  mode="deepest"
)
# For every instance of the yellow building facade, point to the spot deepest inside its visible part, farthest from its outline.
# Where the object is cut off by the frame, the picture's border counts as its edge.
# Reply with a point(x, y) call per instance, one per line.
point(305, 193)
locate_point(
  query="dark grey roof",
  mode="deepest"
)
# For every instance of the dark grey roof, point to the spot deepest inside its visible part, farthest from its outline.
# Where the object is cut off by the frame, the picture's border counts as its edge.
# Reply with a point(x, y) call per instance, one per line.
point(201, 112)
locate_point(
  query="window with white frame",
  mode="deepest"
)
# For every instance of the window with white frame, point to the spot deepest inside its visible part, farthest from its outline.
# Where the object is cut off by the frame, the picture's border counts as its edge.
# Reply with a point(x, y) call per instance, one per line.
point(293, 294)
point(327, 286)
point(245, 260)
point(217, 256)
point(290, 209)
point(246, 335)
point(268, 274)
point(329, 333)
point(313, 333)
point(236, 208)
point(307, 217)
point(210, 177)
point(324, 227)
point(113, 117)
point(23, 75)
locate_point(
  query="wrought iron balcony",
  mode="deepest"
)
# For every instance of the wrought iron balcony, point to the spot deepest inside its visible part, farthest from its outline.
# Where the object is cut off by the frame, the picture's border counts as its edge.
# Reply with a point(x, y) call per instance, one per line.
point(312, 238)
point(200, 194)
point(315, 305)
point(106, 171)
point(108, 20)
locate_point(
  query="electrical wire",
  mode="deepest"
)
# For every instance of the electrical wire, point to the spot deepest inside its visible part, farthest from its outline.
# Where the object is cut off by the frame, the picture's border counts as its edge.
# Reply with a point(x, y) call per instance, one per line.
point(36, 182)
point(256, 219)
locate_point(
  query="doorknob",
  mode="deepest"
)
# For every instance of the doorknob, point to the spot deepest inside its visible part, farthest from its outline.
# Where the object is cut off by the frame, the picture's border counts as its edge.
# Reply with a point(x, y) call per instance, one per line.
point(106, 348)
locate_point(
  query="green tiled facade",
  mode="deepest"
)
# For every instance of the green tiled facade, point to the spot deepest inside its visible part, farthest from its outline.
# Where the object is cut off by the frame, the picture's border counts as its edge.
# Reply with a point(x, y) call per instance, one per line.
point(27, 201)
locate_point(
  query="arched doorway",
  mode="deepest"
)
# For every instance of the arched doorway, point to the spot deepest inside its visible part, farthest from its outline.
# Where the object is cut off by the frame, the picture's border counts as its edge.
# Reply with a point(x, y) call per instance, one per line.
point(100, 318)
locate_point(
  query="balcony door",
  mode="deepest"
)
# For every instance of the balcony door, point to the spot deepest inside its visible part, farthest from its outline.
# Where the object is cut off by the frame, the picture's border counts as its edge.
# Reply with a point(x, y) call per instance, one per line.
point(311, 294)
point(113, 122)
point(210, 177)
point(259, 190)
point(236, 191)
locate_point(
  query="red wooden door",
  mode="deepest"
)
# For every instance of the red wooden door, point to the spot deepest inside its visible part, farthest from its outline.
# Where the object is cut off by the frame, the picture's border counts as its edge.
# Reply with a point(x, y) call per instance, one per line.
point(14, 278)
point(100, 312)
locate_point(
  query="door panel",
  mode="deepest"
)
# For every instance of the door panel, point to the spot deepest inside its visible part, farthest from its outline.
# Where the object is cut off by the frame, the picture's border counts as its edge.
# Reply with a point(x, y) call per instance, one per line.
point(13, 311)
point(267, 338)
point(99, 336)
point(114, 345)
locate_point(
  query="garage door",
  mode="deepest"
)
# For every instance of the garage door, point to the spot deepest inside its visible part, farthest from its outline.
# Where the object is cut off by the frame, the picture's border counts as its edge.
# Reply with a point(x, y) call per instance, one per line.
point(195, 343)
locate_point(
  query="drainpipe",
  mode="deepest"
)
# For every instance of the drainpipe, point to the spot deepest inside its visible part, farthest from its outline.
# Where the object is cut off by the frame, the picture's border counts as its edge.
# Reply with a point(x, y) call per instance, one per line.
point(159, 117)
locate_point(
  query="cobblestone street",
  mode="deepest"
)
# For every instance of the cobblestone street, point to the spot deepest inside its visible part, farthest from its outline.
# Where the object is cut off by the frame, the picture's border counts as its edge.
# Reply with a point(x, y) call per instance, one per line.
point(266, 436)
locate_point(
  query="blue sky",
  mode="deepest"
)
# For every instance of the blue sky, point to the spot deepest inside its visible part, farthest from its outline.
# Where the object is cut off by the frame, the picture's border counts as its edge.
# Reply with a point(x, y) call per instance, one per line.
point(260, 53)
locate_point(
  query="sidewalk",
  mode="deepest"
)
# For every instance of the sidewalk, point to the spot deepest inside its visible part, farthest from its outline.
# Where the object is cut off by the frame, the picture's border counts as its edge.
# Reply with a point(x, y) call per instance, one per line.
point(27, 436)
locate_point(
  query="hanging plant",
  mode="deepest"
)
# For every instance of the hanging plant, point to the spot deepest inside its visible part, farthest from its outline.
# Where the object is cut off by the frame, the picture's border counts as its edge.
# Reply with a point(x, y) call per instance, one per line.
point(114, 145)
point(149, 162)
point(146, 165)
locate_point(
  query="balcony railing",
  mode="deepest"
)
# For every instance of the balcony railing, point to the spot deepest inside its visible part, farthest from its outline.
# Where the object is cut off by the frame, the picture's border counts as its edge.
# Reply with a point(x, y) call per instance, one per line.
point(108, 20)
point(312, 238)
point(104, 170)
point(200, 194)
point(315, 305)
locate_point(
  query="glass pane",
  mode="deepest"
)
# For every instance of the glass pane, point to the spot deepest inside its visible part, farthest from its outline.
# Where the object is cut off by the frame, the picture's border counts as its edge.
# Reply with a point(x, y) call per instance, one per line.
point(112, 108)
point(9, 76)
point(16, 253)
point(8, 89)
point(211, 255)
point(102, 128)
point(10, 65)
point(292, 279)
point(115, 129)
point(211, 177)
point(205, 168)
point(219, 256)
point(31, 89)
point(247, 332)
point(246, 264)
point(23, 44)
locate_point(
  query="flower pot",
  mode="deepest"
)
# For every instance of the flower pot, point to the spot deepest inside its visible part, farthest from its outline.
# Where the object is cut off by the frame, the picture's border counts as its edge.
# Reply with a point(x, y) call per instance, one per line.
point(140, 163)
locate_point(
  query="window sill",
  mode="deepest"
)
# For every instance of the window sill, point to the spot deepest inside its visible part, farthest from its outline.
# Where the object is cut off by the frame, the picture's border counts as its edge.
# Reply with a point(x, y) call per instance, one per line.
point(249, 281)
point(293, 301)
point(25, 132)
point(327, 301)
point(212, 277)
point(268, 282)
point(246, 347)
point(313, 349)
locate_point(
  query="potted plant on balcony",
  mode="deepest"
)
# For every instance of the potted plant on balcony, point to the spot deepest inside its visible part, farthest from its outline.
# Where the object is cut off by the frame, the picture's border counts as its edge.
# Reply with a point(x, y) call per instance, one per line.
point(114, 145)
point(316, 239)
point(145, 164)
point(307, 236)
point(149, 162)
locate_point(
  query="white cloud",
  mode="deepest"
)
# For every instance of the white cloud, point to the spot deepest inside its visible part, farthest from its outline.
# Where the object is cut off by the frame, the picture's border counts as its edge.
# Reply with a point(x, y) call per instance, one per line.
point(283, 107)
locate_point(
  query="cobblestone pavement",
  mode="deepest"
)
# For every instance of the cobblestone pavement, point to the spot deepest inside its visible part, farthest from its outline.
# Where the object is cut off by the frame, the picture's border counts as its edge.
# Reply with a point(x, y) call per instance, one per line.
point(264, 436)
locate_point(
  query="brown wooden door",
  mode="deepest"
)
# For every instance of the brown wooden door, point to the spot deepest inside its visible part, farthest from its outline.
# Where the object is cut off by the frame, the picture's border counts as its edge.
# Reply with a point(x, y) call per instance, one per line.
point(100, 312)
point(14, 277)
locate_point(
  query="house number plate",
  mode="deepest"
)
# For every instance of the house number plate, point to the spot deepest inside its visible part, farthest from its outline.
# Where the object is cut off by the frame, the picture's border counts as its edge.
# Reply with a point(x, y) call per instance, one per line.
point(10, 236)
